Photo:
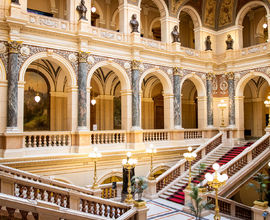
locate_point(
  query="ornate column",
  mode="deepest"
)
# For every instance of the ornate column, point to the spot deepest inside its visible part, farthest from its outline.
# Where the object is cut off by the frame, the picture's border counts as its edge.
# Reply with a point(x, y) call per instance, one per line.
point(209, 93)
point(136, 100)
point(230, 76)
point(177, 99)
point(13, 73)
point(82, 91)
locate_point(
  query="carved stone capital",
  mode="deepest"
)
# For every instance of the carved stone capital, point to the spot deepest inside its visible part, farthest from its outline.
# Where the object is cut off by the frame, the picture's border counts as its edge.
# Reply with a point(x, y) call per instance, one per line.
point(178, 71)
point(230, 75)
point(14, 46)
point(83, 57)
point(210, 76)
point(135, 64)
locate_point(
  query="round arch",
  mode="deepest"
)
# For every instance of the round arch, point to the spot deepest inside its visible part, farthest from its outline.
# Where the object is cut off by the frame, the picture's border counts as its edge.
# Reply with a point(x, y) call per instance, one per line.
point(163, 9)
point(150, 33)
point(65, 65)
point(245, 9)
point(119, 71)
point(192, 13)
point(113, 22)
point(162, 76)
point(110, 174)
point(239, 91)
point(158, 168)
point(149, 87)
point(197, 82)
point(2, 71)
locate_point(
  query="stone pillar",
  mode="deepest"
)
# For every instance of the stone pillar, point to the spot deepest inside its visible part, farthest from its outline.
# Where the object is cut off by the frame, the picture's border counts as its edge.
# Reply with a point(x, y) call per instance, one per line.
point(239, 109)
point(210, 120)
point(82, 91)
point(168, 111)
point(12, 76)
point(126, 109)
point(136, 100)
point(177, 99)
point(231, 89)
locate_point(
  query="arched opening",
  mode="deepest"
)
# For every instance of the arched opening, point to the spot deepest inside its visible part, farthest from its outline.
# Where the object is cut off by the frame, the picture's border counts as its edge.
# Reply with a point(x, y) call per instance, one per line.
point(186, 29)
point(254, 31)
point(112, 179)
point(45, 97)
point(105, 89)
point(106, 14)
point(150, 20)
point(50, 8)
point(255, 113)
point(189, 105)
point(152, 103)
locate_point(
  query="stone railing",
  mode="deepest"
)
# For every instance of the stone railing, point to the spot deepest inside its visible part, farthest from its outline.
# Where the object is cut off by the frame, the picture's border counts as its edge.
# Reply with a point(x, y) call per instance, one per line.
point(153, 44)
point(108, 137)
point(177, 170)
point(156, 135)
point(32, 190)
point(193, 134)
point(248, 155)
point(47, 139)
point(231, 208)
point(107, 192)
point(48, 21)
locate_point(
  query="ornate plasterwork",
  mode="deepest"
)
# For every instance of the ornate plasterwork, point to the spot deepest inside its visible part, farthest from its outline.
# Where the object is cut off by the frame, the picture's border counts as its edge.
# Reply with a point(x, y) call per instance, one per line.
point(226, 13)
point(210, 13)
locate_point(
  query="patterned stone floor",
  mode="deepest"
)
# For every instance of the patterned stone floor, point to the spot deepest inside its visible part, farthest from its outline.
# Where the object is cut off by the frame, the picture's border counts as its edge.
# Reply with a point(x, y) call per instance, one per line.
point(166, 210)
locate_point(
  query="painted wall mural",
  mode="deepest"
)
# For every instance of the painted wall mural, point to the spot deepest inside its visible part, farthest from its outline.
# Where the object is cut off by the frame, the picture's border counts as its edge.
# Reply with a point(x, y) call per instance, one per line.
point(36, 114)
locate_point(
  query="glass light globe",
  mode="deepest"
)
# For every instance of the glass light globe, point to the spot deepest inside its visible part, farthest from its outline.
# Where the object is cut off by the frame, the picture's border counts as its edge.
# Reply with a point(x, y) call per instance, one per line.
point(193, 154)
point(265, 25)
point(37, 98)
point(189, 149)
point(209, 177)
point(93, 101)
point(124, 161)
point(216, 166)
point(129, 154)
point(225, 177)
point(219, 178)
point(269, 164)
point(93, 9)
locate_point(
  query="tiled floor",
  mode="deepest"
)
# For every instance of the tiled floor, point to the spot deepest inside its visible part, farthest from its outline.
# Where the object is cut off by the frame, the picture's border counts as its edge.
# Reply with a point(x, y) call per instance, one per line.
point(166, 210)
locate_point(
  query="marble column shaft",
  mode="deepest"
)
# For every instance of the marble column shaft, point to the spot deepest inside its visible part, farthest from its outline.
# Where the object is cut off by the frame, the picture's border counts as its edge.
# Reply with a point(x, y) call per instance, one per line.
point(13, 73)
point(210, 120)
point(231, 101)
point(177, 100)
point(136, 100)
point(82, 92)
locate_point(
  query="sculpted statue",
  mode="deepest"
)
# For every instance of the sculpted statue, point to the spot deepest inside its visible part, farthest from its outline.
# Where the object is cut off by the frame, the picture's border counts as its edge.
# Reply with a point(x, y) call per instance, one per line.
point(229, 42)
point(82, 9)
point(208, 43)
point(134, 24)
point(15, 1)
point(175, 34)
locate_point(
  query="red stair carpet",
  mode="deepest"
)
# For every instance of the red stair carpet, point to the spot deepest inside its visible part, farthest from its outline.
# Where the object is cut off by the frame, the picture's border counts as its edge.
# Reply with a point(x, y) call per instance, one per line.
point(179, 196)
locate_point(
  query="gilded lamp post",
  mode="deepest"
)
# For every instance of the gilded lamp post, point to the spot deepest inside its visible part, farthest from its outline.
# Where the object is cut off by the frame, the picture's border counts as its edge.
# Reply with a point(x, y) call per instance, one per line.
point(129, 164)
point(216, 180)
point(151, 150)
point(190, 156)
point(95, 155)
point(222, 105)
point(267, 105)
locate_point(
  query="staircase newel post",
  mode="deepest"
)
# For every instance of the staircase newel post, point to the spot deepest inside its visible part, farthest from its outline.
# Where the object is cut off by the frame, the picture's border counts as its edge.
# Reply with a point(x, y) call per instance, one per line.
point(151, 191)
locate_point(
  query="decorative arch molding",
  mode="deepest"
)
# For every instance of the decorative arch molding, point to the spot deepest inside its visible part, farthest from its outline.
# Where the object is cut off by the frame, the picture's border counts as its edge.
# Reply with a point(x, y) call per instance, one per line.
point(3, 74)
point(149, 87)
point(262, 90)
point(158, 168)
point(239, 91)
point(150, 33)
point(99, 85)
point(109, 84)
point(246, 8)
point(113, 22)
point(192, 13)
point(163, 9)
point(119, 71)
point(197, 82)
point(110, 174)
point(162, 76)
point(61, 61)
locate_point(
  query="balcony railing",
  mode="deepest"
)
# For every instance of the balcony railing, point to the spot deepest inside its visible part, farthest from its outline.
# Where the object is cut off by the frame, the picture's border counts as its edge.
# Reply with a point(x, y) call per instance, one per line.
point(156, 135)
point(108, 137)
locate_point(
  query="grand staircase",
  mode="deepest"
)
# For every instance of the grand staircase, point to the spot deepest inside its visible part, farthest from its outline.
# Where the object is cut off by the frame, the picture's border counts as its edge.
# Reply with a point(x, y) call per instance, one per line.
point(222, 155)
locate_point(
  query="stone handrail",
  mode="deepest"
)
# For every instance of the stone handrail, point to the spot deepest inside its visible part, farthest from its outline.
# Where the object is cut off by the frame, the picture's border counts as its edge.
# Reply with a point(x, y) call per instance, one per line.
point(47, 139)
point(156, 135)
point(178, 169)
point(108, 137)
point(248, 155)
point(45, 180)
point(66, 198)
point(231, 208)
point(193, 134)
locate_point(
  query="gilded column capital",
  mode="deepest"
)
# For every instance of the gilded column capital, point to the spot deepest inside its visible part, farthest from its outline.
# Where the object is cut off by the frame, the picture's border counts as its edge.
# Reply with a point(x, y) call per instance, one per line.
point(210, 75)
point(230, 75)
point(14, 46)
point(177, 70)
point(83, 57)
point(135, 64)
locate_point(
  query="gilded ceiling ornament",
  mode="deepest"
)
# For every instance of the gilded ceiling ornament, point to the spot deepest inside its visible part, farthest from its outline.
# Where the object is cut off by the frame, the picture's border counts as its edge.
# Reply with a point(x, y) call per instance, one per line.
point(230, 75)
point(210, 12)
point(210, 75)
point(14, 46)
point(135, 64)
point(226, 12)
point(83, 57)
